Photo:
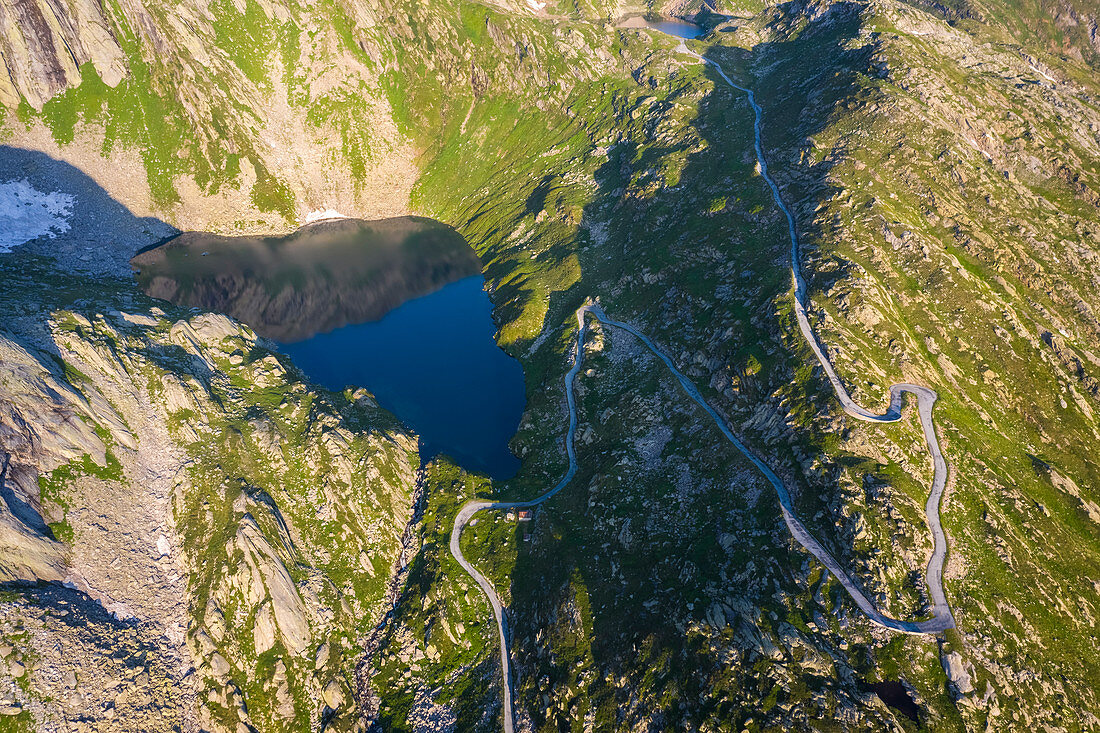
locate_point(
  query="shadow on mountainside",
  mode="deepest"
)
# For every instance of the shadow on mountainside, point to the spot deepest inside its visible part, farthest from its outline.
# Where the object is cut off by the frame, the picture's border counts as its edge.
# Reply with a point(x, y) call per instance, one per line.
point(103, 233)
point(40, 276)
point(47, 406)
point(701, 266)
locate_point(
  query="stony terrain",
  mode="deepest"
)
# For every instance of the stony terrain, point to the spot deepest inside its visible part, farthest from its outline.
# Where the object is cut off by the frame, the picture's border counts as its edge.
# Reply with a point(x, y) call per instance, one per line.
point(940, 160)
point(662, 219)
point(224, 532)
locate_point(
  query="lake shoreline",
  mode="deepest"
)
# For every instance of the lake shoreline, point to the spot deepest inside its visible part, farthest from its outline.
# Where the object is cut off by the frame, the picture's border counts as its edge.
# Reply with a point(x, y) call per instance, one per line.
point(397, 306)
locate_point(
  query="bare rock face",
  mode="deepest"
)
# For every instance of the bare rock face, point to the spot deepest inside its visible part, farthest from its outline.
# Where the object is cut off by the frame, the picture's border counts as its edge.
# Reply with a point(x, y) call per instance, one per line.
point(43, 44)
point(263, 633)
point(263, 575)
point(957, 672)
point(25, 554)
point(333, 695)
point(40, 427)
point(132, 469)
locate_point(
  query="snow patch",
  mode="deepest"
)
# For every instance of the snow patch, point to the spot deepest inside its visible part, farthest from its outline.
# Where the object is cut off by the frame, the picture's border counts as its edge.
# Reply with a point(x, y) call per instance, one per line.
point(27, 213)
point(323, 215)
point(535, 6)
point(1042, 73)
point(164, 547)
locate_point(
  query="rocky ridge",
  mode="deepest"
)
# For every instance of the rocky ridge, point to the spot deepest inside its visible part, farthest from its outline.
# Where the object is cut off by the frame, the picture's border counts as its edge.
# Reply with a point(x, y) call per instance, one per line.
point(242, 541)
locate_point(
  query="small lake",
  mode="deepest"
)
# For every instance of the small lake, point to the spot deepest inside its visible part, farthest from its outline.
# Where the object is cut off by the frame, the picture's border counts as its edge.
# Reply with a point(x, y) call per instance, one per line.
point(397, 306)
point(678, 28)
point(894, 694)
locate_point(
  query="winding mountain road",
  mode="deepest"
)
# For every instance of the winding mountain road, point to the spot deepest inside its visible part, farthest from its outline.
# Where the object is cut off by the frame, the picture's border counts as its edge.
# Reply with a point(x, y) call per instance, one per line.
point(926, 398)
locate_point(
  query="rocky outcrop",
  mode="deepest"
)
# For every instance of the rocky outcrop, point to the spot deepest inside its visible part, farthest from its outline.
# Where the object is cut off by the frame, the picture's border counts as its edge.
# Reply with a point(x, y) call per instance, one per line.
point(128, 471)
point(44, 423)
point(262, 577)
point(43, 44)
point(959, 672)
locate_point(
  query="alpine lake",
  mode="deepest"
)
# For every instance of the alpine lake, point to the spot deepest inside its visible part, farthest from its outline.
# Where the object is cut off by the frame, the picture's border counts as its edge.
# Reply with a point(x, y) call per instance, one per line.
point(397, 306)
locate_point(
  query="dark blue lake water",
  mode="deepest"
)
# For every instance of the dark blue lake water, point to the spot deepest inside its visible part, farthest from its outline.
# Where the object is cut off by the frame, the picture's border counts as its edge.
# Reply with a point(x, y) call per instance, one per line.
point(678, 28)
point(396, 306)
point(432, 362)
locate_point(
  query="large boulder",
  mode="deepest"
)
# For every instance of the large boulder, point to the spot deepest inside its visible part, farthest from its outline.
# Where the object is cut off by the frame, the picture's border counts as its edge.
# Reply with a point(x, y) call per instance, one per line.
point(957, 671)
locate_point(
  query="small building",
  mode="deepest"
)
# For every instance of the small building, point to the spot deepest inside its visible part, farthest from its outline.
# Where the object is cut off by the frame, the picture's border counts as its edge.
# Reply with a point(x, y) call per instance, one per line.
point(524, 515)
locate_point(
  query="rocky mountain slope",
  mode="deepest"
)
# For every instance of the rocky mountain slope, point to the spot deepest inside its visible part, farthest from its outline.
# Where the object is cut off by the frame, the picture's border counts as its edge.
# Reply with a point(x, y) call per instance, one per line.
point(223, 532)
point(940, 158)
point(626, 615)
point(236, 116)
point(218, 115)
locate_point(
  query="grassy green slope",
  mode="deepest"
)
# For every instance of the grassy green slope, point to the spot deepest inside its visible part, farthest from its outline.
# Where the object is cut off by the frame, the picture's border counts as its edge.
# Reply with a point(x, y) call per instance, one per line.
point(641, 192)
point(647, 185)
point(948, 217)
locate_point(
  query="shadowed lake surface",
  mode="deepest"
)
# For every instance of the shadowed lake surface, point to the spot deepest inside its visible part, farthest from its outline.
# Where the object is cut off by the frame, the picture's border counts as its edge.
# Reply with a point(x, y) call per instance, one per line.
point(894, 694)
point(321, 277)
point(396, 306)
